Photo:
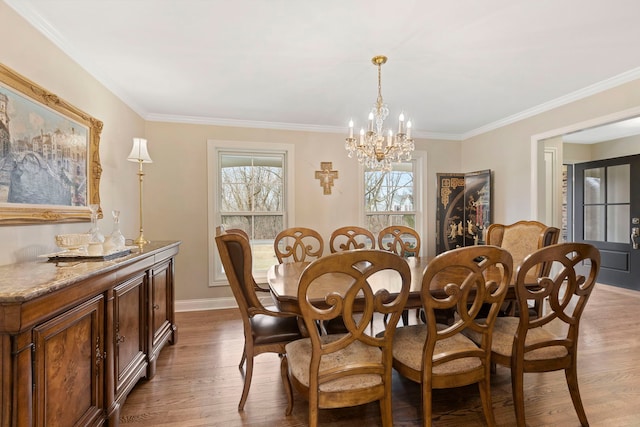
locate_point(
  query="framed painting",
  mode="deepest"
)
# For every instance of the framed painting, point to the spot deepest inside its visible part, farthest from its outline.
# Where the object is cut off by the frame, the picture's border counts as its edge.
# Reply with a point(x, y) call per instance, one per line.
point(49, 155)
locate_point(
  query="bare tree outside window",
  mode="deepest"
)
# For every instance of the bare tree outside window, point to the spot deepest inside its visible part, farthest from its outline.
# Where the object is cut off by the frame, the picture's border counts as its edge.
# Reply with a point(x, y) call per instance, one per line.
point(389, 197)
point(252, 199)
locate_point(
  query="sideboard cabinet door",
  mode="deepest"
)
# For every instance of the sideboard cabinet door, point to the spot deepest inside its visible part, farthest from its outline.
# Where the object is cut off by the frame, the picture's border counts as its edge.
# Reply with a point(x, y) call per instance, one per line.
point(129, 334)
point(69, 367)
point(162, 325)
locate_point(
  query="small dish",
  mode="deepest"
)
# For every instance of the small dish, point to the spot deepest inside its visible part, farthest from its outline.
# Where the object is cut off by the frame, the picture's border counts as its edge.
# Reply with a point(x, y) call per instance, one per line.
point(73, 242)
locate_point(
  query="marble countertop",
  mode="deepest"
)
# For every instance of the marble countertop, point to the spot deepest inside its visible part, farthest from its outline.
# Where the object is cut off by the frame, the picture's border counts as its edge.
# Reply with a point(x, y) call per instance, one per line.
point(29, 280)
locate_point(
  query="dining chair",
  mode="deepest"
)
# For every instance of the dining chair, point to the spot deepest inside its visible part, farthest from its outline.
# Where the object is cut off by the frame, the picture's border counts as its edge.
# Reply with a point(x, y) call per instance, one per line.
point(351, 237)
point(550, 342)
point(244, 234)
point(440, 356)
point(352, 368)
point(266, 330)
point(520, 239)
point(403, 241)
point(399, 239)
point(298, 244)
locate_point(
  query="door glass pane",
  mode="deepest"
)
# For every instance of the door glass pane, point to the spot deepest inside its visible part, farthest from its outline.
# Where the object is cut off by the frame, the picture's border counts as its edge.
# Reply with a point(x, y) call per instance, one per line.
point(618, 223)
point(594, 223)
point(594, 185)
point(618, 178)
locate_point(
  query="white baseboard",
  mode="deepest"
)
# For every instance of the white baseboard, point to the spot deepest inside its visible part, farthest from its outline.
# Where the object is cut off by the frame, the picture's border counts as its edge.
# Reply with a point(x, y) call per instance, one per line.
point(212, 304)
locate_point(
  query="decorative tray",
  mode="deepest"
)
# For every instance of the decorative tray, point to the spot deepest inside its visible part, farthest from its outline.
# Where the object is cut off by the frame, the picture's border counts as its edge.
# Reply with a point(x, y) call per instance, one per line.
point(69, 255)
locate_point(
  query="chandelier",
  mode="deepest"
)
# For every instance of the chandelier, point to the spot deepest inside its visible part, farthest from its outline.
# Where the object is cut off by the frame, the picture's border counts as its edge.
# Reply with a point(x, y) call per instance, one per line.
point(377, 148)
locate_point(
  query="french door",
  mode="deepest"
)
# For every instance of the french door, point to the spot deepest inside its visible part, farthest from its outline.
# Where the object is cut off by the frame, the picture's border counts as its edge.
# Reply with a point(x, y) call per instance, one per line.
point(607, 215)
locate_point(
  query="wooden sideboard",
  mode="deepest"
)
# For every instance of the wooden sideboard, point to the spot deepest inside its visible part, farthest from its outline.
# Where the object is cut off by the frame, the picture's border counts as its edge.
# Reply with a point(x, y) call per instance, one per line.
point(76, 336)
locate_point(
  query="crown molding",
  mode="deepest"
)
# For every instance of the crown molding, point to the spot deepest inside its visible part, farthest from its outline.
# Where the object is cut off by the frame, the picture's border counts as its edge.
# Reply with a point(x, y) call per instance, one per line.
point(212, 121)
point(593, 89)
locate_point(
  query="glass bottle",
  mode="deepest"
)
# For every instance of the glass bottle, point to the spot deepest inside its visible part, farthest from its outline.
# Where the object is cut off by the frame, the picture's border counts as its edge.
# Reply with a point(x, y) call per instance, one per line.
point(94, 232)
point(117, 239)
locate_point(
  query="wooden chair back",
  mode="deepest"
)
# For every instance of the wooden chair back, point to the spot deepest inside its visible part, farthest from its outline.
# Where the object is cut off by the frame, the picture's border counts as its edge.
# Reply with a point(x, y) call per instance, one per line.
point(441, 355)
point(522, 238)
point(351, 237)
point(245, 235)
point(297, 244)
point(237, 260)
point(468, 290)
point(240, 232)
point(548, 342)
point(353, 367)
point(574, 268)
point(399, 239)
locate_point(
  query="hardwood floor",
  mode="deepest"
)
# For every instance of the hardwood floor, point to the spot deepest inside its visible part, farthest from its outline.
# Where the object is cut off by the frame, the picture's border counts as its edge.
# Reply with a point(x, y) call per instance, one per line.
point(198, 382)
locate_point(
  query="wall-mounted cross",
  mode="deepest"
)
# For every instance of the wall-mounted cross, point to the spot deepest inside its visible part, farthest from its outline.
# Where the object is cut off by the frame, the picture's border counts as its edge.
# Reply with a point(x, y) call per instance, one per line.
point(326, 176)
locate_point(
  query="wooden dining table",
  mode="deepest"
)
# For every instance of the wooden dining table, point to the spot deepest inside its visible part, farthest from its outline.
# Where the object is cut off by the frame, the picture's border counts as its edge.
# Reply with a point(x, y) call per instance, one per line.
point(283, 283)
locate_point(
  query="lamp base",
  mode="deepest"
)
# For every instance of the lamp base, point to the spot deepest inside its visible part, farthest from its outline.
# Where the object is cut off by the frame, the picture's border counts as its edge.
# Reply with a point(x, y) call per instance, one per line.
point(141, 241)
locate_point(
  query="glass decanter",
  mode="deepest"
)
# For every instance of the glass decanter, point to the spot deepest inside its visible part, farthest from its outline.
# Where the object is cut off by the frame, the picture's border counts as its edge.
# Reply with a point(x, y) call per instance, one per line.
point(94, 232)
point(116, 238)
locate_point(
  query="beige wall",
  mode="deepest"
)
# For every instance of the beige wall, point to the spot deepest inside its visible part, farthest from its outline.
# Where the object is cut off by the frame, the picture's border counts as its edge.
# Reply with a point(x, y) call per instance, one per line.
point(616, 148)
point(576, 153)
point(30, 54)
point(176, 183)
point(176, 189)
point(508, 150)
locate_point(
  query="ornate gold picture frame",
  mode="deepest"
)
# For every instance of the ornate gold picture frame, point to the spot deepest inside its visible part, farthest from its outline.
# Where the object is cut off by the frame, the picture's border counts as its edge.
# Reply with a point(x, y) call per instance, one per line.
point(49, 155)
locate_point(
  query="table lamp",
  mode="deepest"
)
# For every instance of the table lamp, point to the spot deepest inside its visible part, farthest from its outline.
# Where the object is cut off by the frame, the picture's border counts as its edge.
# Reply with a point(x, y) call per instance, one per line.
point(140, 154)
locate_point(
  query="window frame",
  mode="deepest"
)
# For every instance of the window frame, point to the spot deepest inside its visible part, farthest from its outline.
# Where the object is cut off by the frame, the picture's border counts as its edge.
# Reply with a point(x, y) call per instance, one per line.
point(419, 160)
point(214, 150)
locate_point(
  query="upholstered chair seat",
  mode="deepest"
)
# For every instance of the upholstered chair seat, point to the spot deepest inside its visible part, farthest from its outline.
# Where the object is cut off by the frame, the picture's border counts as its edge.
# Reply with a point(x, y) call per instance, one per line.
point(299, 353)
point(409, 342)
point(269, 329)
point(505, 329)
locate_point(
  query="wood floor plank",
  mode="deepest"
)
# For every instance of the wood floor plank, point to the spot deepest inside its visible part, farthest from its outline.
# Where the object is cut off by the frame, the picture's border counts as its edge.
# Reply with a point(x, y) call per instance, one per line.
point(198, 382)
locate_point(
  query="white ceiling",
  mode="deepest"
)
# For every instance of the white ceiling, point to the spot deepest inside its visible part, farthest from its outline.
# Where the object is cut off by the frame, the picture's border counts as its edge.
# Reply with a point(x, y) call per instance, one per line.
point(456, 68)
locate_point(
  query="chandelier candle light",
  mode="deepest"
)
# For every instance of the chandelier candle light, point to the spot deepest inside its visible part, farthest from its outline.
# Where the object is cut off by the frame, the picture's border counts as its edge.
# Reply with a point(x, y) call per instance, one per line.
point(140, 154)
point(377, 149)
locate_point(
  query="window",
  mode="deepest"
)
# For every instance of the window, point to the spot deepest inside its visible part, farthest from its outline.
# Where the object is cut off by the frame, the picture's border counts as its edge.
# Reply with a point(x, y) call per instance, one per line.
point(249, 192)
point(390, 197)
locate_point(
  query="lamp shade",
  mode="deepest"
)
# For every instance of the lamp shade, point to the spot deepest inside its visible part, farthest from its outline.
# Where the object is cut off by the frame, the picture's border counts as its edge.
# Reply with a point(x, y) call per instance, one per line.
point(139, 151)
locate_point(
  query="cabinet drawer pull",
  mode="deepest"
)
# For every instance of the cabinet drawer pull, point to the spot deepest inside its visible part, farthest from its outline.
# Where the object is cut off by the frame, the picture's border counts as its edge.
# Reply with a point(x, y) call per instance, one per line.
point(156, 307)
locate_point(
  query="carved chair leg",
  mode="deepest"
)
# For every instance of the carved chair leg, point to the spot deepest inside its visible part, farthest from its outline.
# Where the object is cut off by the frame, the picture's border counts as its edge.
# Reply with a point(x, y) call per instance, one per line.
point(572, 381)
point(485, 396)
point(244, 356)
point(386, 411)
point(284, 373)
point(517, 388)
point(247, 383)
point(427, 402)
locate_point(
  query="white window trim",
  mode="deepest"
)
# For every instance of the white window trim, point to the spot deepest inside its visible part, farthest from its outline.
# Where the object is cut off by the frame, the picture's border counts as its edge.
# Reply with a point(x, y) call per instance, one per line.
point(420, 158)
point(214, 146)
